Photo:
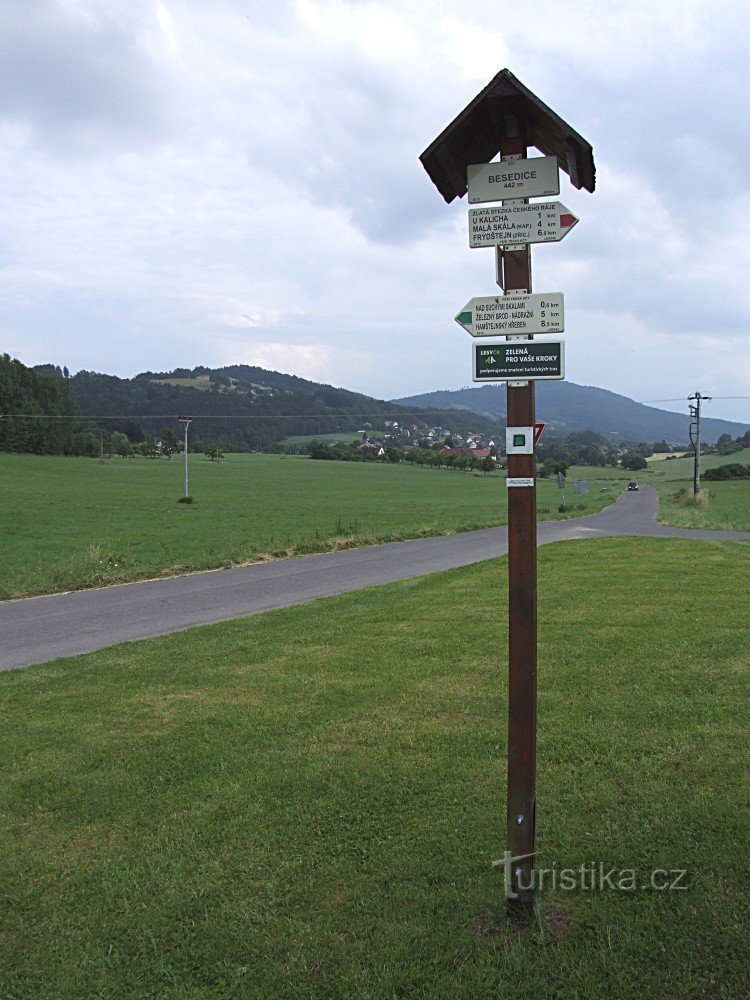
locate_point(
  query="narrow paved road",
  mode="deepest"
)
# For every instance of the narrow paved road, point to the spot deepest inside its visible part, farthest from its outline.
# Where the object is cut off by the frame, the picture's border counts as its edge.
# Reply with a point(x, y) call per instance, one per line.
point(43, 628)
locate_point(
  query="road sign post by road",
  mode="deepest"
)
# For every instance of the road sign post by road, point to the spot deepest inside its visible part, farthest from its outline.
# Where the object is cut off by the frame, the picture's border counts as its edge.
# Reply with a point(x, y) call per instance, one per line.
point(506, 118)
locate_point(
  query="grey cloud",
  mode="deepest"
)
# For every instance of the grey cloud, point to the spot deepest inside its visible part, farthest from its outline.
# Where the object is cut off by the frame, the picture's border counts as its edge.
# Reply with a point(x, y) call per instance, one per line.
point(65, 75)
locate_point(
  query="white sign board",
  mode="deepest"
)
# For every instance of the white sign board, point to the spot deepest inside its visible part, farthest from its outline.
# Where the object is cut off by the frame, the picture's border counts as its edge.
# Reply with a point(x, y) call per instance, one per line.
point(513, 315)
point(538, 177)
point(509, 225)
point(519, 481)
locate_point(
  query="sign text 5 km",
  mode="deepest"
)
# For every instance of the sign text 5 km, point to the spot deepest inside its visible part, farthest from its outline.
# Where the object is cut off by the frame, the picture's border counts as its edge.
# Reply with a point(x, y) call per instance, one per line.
point(506, 225)
point(513, 315)
point(511, 360)
point(538, 177)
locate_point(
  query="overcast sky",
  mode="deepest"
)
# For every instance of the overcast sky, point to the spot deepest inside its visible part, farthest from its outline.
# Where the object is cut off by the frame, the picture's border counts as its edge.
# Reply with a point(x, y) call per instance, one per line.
point(192, 182)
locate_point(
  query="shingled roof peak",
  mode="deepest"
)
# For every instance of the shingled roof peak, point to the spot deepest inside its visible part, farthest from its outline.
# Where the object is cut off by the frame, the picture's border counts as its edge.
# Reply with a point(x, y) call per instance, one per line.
point(474, 137)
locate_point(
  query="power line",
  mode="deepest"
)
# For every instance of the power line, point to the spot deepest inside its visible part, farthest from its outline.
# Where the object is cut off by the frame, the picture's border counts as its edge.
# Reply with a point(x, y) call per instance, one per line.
point(683, 399)
point(236, 416)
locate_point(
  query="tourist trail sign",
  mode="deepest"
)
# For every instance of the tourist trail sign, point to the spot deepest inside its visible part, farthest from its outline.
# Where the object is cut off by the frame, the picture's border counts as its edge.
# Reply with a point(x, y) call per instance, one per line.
point(513, 315)
point(506, 118)
point(538, 177)
point(518, 360)
point(510, 225)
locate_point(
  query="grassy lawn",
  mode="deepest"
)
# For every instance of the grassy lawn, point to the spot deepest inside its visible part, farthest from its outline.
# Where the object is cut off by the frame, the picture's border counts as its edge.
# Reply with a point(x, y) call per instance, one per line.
point(728, 505)
point(256, 809)
point(70, 522)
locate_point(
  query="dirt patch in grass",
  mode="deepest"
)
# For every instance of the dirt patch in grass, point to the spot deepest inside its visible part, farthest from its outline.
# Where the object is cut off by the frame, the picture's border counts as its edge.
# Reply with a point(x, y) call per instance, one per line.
point(557, 921)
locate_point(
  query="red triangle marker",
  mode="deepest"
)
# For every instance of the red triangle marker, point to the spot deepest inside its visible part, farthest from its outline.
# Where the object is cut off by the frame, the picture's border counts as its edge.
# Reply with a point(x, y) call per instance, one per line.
point(566, 221)
point(538, 428)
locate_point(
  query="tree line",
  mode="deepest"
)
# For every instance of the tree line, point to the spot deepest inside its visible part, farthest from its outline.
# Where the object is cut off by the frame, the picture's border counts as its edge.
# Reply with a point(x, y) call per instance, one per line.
point(432, 456)
point(26, 395)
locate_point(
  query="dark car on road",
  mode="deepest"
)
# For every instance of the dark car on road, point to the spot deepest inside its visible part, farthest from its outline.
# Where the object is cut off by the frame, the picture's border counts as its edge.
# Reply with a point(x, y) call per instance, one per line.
point(632, 486)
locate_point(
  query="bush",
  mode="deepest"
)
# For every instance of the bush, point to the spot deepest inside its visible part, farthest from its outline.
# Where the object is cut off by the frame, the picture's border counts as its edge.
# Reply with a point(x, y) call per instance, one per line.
point(185, 500)
point(633, 461)
point(732, 470)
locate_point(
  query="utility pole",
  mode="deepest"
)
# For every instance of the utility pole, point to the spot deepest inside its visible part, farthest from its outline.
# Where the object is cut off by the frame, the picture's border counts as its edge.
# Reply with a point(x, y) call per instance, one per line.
point(695, 438)
point(185, 422)
point(101, 446)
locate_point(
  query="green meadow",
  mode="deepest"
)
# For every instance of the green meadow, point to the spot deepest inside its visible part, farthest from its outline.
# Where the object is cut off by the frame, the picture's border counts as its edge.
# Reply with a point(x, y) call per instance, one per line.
point(255, 809)
point(724, 506)
point(74, 522)
point(70, 523)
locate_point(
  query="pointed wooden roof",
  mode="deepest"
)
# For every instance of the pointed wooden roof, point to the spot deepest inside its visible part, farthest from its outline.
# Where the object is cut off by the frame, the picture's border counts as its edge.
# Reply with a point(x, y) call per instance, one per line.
point(474, 137)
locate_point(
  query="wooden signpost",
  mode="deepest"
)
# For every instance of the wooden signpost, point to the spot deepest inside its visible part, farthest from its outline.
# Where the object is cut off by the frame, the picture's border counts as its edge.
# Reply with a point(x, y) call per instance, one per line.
point(507, 118)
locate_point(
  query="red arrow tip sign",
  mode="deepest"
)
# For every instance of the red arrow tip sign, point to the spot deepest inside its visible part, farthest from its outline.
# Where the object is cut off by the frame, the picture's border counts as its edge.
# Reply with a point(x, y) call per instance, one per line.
point(566, 221)
point(538, 428)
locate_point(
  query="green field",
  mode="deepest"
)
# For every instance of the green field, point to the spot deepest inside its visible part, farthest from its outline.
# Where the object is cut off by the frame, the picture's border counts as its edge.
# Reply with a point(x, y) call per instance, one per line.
point(728, 502)
point(727, 507)
point(74, 522)
point(682, 468)
point(255, 809)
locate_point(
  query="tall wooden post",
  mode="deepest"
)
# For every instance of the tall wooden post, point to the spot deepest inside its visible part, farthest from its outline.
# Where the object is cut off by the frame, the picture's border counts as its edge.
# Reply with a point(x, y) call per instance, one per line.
point(522, 603)
point(503, 118)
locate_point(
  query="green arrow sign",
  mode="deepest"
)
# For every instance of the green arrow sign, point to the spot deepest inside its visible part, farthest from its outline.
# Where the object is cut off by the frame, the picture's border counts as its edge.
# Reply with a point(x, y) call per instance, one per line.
point(513, 314)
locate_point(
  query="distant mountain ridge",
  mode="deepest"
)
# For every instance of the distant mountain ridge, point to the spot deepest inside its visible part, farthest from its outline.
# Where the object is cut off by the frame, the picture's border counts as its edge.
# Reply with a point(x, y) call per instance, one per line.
point(252, 407)
point(566, 407)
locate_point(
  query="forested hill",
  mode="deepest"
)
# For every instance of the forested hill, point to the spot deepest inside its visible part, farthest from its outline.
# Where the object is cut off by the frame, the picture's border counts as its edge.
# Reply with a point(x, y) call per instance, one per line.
point(249, 407)
point(567, 407)
point(26, 395)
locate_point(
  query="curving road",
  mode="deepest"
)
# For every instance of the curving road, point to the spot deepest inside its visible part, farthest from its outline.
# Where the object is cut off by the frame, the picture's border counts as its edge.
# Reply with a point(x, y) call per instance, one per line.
point(38, 629)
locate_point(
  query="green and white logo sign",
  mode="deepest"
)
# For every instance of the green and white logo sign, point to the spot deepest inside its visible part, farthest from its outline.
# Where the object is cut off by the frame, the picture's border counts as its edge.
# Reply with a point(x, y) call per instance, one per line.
point(513, 360)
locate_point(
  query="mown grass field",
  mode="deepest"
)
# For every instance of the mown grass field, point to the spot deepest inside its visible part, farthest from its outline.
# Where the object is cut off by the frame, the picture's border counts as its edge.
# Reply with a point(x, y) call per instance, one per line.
point(69, 523)
point(256, 809)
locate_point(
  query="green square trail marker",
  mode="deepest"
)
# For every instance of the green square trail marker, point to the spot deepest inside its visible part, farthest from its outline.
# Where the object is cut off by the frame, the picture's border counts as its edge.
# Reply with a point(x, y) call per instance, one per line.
point(507, 118)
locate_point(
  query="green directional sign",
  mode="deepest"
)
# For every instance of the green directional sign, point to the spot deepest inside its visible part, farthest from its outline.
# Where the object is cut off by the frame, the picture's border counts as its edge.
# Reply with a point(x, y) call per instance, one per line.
point(511, 360)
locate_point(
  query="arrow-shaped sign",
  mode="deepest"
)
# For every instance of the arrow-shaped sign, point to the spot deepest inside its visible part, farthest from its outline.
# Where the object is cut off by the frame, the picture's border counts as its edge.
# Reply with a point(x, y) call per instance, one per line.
point(509, 225)
point(513, 315)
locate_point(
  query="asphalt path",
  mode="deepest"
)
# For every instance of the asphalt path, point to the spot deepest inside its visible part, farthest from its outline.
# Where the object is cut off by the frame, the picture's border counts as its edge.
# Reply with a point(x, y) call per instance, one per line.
point(38, 629)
